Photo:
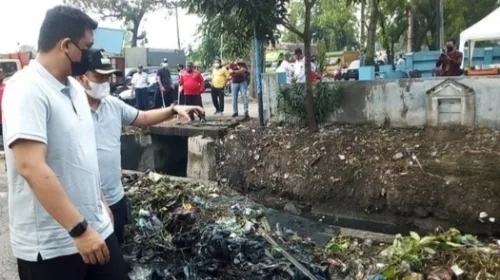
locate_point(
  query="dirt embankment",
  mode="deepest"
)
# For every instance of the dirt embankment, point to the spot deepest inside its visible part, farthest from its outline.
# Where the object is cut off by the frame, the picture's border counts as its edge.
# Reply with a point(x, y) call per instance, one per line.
point(415, 177)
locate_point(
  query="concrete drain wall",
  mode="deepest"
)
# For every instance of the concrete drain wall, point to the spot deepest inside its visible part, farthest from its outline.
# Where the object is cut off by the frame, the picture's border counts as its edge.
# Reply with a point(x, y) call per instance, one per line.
point(181, 156)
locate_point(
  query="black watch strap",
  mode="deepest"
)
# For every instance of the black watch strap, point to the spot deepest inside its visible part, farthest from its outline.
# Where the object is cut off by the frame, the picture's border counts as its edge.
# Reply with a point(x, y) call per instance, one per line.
point(79, 229)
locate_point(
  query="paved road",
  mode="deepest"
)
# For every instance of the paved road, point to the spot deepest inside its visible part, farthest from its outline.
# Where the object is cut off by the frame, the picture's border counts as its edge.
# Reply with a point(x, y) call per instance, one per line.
point(8, 268)
point(228, 106)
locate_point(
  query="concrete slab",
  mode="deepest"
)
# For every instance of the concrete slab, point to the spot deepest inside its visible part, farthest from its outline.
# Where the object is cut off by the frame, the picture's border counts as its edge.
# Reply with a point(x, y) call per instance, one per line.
point(214, 127)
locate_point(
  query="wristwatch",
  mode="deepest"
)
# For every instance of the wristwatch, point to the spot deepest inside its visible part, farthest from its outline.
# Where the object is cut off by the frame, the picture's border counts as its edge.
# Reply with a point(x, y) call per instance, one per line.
point(79, 229)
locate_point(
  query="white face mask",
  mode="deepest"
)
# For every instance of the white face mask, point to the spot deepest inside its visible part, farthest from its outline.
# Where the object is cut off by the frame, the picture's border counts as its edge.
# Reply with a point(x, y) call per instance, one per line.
point(98, 91)
point(217, 65)
point(164, 65)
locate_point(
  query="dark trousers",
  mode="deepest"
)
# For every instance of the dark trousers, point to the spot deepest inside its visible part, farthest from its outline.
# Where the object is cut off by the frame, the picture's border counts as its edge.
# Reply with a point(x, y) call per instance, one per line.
point(168, 97)
point(121, 216)
point(72, 267)
point(218, 99)
point(193, 100)
point(141, 98)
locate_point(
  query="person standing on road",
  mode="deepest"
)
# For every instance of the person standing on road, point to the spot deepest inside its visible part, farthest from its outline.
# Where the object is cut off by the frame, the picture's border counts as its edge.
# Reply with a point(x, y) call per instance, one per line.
point(180, 94)
point(59, 225)
point(165, 93)
point(239, 86)
point(110, 114)
point(220, 77)
point(193, 84)
point(140, 88)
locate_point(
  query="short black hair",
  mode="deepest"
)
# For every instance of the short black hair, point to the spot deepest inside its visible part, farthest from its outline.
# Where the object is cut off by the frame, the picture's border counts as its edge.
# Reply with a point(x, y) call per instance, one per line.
point(63, 22)
point(453, 41)
point(298, 51)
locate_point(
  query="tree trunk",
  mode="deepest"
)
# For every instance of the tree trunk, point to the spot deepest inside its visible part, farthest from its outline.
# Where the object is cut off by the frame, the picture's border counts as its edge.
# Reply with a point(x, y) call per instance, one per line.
point(313, 126)
point(135, 34)
point(363, 26)
point(372, 34)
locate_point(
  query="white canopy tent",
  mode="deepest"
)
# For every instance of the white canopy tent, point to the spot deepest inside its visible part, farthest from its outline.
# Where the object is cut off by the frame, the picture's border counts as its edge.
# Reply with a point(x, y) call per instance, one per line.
point(485, 30)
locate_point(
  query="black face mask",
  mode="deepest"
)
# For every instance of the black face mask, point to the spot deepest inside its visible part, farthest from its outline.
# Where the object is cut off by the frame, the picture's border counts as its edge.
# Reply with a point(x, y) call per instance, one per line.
point(449, 48)
point(81, 67)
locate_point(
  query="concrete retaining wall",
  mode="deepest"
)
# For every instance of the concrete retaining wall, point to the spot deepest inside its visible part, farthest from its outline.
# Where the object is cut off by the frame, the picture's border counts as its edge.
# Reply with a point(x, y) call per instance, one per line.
point(402, 103)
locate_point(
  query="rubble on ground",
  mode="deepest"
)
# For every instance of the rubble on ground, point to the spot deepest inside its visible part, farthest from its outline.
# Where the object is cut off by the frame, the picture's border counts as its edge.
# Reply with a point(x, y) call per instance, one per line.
point(180, 231)
point(418, 177)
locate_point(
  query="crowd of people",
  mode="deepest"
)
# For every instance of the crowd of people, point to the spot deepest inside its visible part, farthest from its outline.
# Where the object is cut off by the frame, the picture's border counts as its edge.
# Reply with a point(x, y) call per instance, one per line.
point(294, 67)
point(192, 85)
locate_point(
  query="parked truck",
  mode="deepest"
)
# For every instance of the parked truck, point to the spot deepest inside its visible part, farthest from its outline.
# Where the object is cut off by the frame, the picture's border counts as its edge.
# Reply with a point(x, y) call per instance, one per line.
point(152, 57)
point(10, 63)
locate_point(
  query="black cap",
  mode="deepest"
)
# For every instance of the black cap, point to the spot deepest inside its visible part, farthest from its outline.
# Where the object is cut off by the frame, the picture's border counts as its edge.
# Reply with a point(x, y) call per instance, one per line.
point(164, 60)
point(101, 63)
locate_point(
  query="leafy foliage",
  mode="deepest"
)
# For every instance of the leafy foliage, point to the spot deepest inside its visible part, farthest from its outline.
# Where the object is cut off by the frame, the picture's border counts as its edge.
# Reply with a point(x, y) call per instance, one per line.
point(263, 14)
point(327, 98)
point(415, 250)
point(211, 31)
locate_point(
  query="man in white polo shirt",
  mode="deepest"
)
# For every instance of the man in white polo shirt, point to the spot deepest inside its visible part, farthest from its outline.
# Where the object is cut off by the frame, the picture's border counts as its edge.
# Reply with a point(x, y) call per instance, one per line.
point(59, 226)
point(110, 114)
point(140, 88)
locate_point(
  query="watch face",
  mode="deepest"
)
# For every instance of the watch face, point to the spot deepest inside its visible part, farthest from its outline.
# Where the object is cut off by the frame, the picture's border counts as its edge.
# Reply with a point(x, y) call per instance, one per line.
point(79, 229)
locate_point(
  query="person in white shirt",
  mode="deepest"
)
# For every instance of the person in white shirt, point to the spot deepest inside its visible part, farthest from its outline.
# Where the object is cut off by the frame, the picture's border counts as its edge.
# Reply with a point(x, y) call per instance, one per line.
point(401, 63)
point(110, 114)
point(60, 227)
point(299, 72)
point(140, 88)
point(287, 68)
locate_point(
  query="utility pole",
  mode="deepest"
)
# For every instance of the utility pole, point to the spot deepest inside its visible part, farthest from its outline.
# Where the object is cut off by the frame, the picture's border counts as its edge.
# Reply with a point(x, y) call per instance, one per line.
point(177, 24)
point(258, 81)
point(441, 23)
point(221, 42)
point(409, 41)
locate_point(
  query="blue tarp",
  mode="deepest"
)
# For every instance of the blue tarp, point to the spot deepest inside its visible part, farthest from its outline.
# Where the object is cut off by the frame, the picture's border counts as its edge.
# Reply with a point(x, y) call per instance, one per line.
point(111, 40)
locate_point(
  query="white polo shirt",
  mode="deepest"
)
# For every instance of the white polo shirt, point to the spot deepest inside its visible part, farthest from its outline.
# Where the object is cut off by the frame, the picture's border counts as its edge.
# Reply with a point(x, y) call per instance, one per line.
point(109, 118)
point(38, 107)
point(140, 80)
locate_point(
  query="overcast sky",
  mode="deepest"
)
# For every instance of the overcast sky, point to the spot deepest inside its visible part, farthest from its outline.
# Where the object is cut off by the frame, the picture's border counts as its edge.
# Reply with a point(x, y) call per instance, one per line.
point(20, 21)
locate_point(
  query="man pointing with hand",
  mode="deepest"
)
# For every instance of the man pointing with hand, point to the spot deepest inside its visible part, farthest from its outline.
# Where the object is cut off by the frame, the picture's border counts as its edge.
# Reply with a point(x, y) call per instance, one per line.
point(59, 226)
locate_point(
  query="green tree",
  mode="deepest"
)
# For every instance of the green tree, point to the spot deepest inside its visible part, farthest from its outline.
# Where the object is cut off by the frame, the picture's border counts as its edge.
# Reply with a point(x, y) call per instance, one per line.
point(132, 12)
point(335, 24)
point(461, 14)
point(393, 21)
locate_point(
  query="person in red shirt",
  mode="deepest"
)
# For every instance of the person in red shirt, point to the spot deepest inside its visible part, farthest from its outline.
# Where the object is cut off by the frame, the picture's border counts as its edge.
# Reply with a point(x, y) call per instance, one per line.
point(239, 85)
point(193, 85)
point(450, 60)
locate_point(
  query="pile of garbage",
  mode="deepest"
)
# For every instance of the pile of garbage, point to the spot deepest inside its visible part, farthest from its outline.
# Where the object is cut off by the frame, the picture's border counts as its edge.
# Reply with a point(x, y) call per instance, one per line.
point(181, 232)
point(443, 255)
point(186, 230)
